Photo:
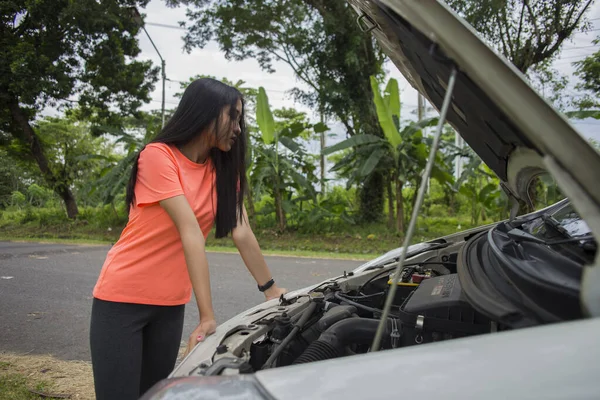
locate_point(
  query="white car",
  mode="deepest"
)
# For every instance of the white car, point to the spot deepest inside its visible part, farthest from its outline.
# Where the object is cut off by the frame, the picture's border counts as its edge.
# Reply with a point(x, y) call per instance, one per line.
point(504, 311)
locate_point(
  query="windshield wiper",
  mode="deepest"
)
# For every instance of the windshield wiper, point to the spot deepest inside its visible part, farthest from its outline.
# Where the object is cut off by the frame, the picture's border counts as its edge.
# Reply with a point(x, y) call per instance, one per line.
point(519, 235)
point(556, 225)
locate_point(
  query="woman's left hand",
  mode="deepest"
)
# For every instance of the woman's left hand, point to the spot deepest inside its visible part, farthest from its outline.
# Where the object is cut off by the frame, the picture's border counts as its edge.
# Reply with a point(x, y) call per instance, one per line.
point(274, 292)
point(204, 329)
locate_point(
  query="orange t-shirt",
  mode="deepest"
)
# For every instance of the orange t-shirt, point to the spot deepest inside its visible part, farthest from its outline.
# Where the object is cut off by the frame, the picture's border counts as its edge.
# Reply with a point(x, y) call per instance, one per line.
point(147, 264)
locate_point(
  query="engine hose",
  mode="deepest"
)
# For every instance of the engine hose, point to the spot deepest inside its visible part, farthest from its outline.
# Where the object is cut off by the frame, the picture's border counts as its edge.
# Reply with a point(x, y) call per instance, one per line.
point(332, 342)
point(317, 351)
point(305, 316)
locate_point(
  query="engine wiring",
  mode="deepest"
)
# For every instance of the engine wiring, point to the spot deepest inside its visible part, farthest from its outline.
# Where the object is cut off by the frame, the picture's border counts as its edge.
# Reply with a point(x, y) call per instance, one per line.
point(416, 264)
point(375, 311)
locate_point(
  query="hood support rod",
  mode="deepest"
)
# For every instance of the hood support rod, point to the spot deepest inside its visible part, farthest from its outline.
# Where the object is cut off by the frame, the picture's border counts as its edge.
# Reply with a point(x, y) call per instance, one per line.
point(413, 220)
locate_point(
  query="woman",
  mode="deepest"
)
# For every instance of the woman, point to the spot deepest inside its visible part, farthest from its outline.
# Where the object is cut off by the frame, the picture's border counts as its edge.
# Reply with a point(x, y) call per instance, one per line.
point(191, 176)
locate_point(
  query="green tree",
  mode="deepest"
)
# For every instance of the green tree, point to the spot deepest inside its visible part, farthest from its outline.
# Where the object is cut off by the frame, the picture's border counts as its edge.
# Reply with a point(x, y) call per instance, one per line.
point(281, 173)
point(319, 40)
point(14, 177)
point(249, 93)
point(529, 33)
point(588, 72)
point(59, 53)
point(481, 189)
point(400, 156)
point(131, 137)
point(72, 153)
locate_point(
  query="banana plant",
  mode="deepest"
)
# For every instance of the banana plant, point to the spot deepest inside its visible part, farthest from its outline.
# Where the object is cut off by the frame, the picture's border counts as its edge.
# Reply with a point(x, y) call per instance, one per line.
point(281, 174)
point(115, 175)
point(401, 155)
point(481, 188)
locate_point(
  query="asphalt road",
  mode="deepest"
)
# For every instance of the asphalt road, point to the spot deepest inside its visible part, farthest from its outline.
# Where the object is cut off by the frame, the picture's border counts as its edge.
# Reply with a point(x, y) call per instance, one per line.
point(45, 292)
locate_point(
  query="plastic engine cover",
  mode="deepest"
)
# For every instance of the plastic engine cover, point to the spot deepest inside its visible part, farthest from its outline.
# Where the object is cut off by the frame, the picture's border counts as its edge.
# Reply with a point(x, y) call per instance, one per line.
point(435, 293)
point(442, 298)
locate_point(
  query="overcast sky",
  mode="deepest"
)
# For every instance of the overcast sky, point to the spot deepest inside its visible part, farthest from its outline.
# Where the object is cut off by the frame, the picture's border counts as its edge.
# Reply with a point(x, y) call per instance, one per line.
point(162, 25)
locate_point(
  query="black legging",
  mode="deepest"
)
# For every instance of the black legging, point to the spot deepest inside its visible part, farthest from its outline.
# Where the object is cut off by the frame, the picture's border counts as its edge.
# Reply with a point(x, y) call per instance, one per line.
point(133, 346)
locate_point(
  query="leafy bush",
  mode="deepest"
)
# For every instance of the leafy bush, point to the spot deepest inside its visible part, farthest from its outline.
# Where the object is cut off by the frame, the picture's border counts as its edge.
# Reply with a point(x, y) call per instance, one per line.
point(38, 196)
point(17, 199)
point(437, 210)
point(104, 217)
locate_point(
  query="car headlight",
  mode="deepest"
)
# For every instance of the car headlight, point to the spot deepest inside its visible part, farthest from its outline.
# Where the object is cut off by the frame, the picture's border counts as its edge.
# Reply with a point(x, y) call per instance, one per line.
point(235, 387)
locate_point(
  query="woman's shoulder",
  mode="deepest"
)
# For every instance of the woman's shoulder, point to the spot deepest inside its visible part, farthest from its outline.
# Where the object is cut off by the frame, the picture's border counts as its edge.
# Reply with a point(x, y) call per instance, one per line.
point(158, 150)
point(158, 147)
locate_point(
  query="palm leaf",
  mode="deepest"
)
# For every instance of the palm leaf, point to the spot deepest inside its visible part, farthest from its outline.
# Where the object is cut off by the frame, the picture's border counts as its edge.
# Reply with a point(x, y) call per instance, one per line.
point(371, 162)
point(414, 127)
point(264, 117)
point(354, 141)
point(291, 144)
point(385, 117)
point(392, 97)
point(486, 191)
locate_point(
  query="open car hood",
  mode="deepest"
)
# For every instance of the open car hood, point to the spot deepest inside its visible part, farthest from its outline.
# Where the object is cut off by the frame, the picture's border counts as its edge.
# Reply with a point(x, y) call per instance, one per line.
point(514, 131)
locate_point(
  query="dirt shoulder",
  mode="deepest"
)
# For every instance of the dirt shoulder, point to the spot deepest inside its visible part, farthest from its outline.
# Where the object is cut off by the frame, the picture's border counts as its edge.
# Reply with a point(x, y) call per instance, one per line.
point(28, 377)
point(22, 375)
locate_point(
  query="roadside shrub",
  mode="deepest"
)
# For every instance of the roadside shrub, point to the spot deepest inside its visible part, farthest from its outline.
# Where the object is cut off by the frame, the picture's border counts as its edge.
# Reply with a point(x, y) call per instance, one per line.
point(17, 199)
point(107, 216)
point(50, 216)
point(438, 210)
point(38, 196)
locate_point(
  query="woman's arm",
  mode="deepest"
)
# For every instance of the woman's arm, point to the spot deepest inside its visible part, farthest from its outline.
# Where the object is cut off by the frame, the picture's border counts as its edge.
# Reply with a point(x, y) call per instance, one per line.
point(246, 242)
point(192, 240)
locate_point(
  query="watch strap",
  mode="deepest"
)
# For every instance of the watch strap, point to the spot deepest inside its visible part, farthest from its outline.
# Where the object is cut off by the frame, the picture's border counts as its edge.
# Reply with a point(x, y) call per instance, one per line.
point(266, 286)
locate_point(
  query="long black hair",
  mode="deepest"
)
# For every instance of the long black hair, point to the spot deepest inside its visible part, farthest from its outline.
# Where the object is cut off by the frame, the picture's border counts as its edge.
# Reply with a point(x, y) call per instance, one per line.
point(201, 106)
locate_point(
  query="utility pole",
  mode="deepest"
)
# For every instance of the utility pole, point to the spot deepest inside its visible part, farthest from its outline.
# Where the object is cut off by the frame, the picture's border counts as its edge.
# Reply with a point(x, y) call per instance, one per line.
point(322, 155)
point(420, 117)
point(137, 17)
point(458, 160)
point(164, 78)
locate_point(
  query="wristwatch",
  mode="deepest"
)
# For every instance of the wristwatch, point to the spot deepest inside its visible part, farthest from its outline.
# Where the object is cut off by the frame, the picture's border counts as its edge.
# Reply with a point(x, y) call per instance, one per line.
point(266, 286)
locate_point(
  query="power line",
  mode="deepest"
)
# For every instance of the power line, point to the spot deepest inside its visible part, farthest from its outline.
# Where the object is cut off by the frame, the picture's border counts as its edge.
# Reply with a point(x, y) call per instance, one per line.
point(167, 102)
point(577, 56)
point(267, 89)
point(580, 47)
point(585, 123)
point(169, 26)
point(180, 28)
point(590, 30)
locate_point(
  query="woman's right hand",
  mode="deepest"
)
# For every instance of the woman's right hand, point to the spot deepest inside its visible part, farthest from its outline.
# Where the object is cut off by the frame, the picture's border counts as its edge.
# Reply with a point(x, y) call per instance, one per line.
point(203, 330)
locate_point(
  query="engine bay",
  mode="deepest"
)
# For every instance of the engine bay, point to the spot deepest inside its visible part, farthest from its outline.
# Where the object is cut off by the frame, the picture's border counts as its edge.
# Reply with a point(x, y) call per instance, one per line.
point(339, 318)
point(480, 283)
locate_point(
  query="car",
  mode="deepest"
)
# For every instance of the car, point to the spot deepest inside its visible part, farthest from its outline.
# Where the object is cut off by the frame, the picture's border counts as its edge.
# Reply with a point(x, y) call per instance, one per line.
point(507, 310)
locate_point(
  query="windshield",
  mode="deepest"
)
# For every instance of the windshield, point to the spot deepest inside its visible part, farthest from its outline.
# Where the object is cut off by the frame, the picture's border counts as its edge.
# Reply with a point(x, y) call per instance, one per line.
point(544, 191)
point(570, 222)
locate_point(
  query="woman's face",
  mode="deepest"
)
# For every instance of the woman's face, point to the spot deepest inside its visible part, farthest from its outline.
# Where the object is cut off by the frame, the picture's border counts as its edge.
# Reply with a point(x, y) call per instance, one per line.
point(230, 127)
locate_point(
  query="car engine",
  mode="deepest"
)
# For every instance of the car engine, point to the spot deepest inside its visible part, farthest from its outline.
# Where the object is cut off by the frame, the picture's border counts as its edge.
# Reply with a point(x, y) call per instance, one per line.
point(429, 306)
point(517, 274)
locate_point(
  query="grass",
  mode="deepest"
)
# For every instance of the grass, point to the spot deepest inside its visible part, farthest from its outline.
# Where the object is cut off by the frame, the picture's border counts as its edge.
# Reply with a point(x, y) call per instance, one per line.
point(211, 249)
point(341, 242)
point(15, 387)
